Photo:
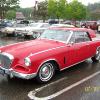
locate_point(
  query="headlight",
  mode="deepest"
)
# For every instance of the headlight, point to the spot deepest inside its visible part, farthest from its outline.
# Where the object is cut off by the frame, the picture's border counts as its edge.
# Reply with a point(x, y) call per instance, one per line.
point(27, 61)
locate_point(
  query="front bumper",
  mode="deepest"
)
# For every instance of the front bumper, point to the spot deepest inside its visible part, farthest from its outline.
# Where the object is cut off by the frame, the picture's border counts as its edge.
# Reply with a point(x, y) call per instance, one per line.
point(12, 74)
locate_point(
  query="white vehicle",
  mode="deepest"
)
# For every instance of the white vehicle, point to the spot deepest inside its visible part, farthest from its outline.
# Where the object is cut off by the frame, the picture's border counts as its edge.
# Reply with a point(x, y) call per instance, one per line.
point(33, 29)
point(8, 30)
point(11, 30)
point(62, 25)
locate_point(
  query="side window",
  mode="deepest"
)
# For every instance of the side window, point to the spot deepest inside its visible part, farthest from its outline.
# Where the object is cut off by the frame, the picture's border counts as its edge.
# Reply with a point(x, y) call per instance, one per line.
point(81, 37)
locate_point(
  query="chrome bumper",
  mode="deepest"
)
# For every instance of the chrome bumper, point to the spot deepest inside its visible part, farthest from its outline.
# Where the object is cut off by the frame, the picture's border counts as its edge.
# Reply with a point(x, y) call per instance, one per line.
point(12, 74)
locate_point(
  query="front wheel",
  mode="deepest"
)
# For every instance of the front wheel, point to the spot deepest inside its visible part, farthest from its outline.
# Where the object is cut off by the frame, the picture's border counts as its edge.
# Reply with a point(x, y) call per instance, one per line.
point(46, 72)
point(96, 58)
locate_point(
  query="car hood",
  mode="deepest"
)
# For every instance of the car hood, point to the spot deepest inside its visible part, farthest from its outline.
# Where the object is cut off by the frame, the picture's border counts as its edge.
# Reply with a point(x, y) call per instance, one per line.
point(27, 48)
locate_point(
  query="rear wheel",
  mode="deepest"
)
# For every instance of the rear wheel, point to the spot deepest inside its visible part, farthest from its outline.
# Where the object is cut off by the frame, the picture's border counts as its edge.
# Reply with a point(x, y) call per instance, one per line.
point(96, 58)
point(46, 72)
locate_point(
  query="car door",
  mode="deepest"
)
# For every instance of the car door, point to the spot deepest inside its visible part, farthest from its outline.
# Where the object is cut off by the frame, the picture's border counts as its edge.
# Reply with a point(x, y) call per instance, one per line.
point(79, 48)
point(83, 46)
point(72, 54)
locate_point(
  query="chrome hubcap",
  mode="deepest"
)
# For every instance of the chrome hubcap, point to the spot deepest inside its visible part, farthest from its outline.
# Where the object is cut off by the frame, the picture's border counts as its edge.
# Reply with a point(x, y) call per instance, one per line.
point(46, 72)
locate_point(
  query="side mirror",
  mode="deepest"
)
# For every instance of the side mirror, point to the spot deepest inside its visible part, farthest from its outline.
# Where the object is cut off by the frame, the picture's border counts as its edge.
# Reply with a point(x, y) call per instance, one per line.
point(72, 43)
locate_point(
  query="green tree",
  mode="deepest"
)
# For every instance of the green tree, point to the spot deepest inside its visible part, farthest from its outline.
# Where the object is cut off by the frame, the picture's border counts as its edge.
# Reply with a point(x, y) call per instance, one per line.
point(6, 5)
point(57, 8)
point(11, 14)
point(61, 8)
point(52, 8)
point(77, 10)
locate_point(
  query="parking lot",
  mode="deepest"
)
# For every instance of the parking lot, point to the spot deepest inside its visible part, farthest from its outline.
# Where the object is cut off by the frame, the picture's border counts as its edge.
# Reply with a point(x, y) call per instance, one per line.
point(81, 82)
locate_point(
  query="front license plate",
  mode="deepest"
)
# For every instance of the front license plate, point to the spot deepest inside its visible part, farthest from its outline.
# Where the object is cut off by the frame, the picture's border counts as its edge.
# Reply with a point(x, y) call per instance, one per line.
point(2, 72)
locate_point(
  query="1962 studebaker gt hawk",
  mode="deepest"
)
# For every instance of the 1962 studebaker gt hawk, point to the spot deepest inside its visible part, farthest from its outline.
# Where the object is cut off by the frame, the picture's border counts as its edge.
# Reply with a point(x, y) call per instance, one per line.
point(56, 49)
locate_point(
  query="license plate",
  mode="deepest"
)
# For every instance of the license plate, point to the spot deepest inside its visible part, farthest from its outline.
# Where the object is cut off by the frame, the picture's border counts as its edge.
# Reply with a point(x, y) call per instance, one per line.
point(2, 72)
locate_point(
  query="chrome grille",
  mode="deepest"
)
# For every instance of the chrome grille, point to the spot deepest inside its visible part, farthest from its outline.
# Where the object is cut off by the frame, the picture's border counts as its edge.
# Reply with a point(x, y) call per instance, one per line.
point(5, 61)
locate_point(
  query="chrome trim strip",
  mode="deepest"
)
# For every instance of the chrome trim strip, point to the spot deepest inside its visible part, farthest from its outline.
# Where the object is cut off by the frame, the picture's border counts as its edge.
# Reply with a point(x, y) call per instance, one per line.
point(23, 76)
point(45, 62)
point(73, 64)
point(6, 69)
point(45, 51)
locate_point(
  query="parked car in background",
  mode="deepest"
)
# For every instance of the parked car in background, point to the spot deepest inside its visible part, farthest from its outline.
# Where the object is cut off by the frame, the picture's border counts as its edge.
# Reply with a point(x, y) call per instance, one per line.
point(53, 21)
point(56, 49)
point(11, 30)
point(33, 30)
point(90, 24)
point(4, 24)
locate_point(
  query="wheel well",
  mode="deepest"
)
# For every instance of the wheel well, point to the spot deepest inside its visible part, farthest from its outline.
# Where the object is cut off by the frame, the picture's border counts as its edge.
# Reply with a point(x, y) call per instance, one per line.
point(55, 64)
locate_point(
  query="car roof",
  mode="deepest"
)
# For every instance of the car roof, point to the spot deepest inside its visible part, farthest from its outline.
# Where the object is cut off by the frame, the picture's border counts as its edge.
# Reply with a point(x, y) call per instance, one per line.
point(90, 31)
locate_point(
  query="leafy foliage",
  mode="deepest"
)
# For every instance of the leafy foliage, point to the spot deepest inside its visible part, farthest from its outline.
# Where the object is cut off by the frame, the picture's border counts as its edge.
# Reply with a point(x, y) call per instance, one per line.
point(77, 10)
point(63, 9)
point(6, 5)
point(52, 8)
point(11, 14)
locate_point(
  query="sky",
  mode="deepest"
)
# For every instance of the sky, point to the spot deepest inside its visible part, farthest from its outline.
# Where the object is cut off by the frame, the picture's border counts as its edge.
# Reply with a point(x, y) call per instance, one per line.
point(30, 3)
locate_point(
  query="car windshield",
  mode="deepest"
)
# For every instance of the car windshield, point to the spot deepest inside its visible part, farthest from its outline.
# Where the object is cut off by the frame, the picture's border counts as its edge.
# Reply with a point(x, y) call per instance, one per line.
point(59, 35)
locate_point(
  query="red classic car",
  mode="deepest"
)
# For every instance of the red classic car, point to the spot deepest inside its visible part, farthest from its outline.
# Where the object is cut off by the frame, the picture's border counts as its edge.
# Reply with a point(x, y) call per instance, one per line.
point(56, 49)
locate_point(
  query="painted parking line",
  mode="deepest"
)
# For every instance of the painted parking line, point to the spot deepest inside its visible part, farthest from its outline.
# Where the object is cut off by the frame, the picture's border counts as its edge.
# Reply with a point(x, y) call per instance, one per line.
point(32, 94)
